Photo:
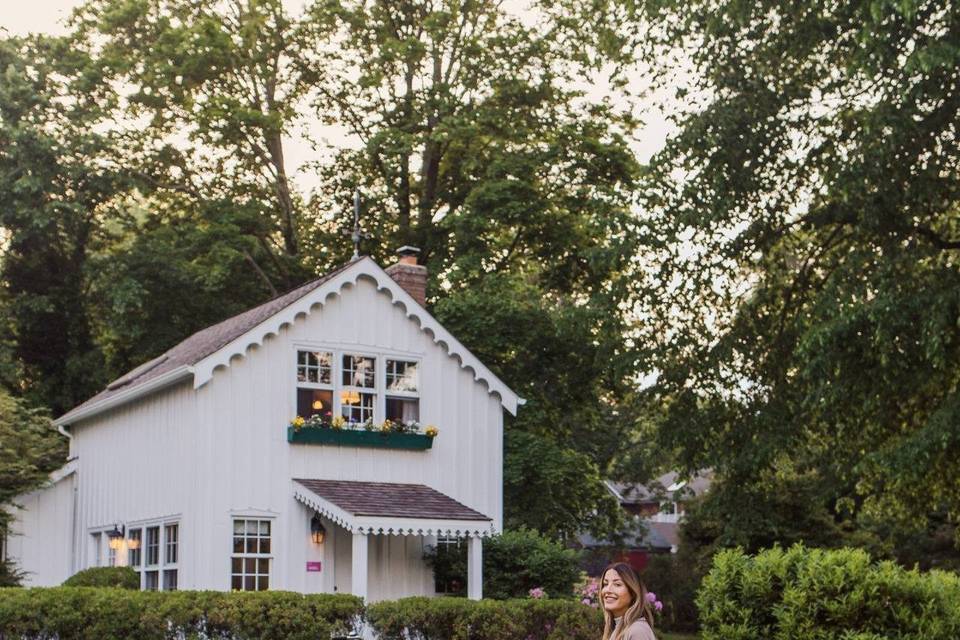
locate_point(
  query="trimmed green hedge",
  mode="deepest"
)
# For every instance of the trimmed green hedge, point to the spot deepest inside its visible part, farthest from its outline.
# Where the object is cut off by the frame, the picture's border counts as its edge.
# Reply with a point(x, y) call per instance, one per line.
point(422, 618)
point(85, 613)
point(120, 577)
point(818, 594)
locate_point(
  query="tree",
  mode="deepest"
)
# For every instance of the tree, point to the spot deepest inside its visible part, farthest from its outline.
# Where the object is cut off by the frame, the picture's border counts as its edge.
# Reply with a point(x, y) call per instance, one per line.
point(219, 85)
point(58, 179)
point(30, 448)
point(805, 217)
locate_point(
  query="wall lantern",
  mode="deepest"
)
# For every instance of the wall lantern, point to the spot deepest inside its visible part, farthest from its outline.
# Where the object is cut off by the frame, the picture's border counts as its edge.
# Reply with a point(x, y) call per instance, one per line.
point(317, 530)
point(116, 536)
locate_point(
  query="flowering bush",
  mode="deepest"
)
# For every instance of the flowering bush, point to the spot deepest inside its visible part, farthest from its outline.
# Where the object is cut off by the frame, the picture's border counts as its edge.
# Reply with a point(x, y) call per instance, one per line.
point(537, 593)
point(588, 591)
point(652, 599)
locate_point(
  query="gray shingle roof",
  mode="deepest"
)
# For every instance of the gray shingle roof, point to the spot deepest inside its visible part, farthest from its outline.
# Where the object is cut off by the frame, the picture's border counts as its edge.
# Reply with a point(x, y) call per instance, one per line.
point(391, 500)
point(204, 342)
point(659, 489)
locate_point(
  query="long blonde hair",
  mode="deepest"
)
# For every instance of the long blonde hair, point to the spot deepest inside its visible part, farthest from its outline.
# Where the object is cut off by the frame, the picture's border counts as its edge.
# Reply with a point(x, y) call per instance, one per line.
point(639, 606)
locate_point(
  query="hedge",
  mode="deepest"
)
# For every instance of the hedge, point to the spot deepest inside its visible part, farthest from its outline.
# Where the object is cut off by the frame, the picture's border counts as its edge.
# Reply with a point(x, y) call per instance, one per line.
point(818, 594)
point(120, 577)
point(86, 613)
point(421, 618)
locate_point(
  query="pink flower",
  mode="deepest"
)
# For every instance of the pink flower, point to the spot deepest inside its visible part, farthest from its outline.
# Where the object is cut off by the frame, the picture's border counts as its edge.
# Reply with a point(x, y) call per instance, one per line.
point(658, 605)
point(586, 601)
point(651, 597)
point(537, 593)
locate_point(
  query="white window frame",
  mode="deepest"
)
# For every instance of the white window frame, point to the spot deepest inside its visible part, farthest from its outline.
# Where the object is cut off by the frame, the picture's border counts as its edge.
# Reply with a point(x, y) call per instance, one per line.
point(244, 555)
point(162, 565)
point(379, 390)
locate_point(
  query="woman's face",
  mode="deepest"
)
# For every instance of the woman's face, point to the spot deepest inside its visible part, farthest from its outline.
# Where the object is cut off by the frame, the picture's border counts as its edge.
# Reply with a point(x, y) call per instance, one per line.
point(614, 594)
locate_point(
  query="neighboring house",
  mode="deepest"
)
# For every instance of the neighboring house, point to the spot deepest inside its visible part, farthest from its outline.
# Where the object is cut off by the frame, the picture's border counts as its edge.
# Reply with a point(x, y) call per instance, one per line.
point(659, 507)
point(187, 470)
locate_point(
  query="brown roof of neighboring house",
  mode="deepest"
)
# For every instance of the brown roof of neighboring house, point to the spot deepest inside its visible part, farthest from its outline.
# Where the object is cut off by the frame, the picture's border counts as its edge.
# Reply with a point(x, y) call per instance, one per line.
point(204, 342)
point(392, 500)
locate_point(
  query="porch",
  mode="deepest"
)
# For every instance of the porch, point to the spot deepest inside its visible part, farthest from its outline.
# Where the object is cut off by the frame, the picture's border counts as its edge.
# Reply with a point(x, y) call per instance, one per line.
point(376, 531)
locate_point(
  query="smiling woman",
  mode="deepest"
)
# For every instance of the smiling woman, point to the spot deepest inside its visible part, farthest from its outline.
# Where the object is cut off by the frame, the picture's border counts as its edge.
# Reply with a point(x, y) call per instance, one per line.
point(626, 610)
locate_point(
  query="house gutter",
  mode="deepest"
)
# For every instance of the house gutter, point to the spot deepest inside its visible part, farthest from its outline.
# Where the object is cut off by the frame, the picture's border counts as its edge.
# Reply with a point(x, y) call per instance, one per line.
point(171, 377)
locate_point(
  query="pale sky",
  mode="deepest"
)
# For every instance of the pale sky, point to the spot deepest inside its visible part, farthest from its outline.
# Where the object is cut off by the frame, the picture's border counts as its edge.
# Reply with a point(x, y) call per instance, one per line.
point(20, 17)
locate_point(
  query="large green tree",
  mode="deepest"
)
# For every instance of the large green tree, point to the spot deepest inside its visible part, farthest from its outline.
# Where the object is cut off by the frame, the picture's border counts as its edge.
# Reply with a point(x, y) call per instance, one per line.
point(805, 217)
point(59, 176)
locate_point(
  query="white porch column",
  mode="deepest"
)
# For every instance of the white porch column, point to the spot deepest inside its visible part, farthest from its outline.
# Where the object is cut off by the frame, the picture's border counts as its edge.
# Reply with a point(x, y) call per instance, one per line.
point(474, 568)
point(358, 566)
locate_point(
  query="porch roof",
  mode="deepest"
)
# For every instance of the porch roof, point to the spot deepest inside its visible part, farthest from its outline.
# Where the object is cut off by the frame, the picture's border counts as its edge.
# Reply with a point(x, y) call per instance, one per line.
point(391, 508)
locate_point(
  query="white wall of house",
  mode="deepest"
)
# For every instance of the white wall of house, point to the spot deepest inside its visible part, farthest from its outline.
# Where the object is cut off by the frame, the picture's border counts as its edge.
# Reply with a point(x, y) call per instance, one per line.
point(44, 532)
point(204, 457)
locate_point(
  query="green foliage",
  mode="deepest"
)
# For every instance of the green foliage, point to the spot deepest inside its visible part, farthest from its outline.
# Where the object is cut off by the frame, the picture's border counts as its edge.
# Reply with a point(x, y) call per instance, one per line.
point(805, 593)
point(675, 578)
point(119, 577)
point(117, 614)
point(540, 474)
point(513, 563)
point(805, 220)
point(459, 619)
point(58, 176)
point(30, 448)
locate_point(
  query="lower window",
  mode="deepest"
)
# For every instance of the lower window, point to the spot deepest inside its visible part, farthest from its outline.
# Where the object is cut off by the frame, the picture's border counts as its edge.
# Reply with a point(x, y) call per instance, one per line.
point(170, 580)
point(250, 561)
point(151, 580)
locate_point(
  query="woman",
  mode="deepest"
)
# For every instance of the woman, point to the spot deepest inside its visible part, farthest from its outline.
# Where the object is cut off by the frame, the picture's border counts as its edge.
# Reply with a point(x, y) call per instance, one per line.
point(626, 612)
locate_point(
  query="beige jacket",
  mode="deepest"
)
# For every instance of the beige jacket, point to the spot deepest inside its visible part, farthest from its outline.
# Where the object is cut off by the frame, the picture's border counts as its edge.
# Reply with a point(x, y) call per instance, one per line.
point(639, 630)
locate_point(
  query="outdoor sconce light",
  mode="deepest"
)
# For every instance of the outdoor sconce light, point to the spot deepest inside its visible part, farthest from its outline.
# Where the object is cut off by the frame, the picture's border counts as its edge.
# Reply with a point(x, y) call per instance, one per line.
point(317, 531)
point(116, 536)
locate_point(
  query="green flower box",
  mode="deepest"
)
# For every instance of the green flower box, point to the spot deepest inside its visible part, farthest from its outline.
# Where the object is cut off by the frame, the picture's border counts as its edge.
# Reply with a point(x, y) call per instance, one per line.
point(351, 438)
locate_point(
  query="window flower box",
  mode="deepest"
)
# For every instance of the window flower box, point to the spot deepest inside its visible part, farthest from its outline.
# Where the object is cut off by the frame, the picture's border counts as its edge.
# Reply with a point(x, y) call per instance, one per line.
point(359, 438)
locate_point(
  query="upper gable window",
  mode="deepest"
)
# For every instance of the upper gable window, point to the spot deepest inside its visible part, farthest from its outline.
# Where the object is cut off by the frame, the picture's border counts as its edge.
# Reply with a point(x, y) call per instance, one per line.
point(403, 385)
point(315, 384)
point(358, 387)
point(315, 366)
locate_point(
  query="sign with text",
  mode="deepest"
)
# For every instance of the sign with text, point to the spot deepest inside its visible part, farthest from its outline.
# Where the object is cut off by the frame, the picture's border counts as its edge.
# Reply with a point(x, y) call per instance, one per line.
point(313, 566)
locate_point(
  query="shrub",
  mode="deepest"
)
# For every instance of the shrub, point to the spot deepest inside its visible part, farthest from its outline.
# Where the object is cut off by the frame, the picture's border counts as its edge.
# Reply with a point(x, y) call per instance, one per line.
point(801, 594)
point(675, 579)
point(82, 613)
point(119, 577)
point(513, 563)
point(460, 619)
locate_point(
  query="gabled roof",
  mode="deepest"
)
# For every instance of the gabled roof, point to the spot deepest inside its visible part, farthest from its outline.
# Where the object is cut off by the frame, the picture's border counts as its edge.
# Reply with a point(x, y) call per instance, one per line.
point(213, 347)
point(668, 486)
point(390, 508)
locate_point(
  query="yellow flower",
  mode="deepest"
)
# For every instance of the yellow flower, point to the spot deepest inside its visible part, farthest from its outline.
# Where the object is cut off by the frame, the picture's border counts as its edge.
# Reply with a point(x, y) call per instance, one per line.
point(338, 422)
point(386, 427)
point(431, 431)
point(297, 422)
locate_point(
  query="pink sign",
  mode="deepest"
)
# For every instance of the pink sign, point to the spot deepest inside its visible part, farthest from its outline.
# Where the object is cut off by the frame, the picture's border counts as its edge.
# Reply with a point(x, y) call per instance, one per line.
point(313, 566)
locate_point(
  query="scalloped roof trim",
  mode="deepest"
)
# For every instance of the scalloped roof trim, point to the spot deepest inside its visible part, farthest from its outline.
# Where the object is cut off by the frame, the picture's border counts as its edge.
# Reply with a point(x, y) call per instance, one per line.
point(365, 267)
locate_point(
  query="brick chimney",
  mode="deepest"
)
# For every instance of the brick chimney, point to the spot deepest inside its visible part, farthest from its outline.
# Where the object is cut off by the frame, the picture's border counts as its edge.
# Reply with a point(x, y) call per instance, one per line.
point(410, 275)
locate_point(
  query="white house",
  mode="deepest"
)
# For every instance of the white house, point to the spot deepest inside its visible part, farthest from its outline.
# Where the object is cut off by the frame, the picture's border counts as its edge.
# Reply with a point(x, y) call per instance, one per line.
point(187, 470)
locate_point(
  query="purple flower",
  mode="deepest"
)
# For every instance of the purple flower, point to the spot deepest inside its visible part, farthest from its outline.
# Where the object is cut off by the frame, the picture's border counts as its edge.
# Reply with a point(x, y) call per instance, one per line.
point(658, 605)
point(651, 597)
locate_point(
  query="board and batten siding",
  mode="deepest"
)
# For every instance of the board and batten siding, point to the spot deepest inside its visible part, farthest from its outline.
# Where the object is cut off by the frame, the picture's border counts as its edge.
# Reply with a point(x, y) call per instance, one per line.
point(205, 456)
point(43, 529)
